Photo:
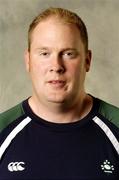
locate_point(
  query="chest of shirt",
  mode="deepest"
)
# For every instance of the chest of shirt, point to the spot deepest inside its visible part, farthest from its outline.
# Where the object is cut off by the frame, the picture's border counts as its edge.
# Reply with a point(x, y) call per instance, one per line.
point(48, 154)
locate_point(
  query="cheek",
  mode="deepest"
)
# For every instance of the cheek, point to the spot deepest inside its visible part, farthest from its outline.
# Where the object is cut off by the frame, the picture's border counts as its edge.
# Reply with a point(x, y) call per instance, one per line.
point(38, 68)
point(73, 70)
point(76, 73)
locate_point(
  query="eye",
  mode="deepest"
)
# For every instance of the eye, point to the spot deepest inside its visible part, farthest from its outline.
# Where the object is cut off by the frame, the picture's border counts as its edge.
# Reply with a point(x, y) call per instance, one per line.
point(44, 54)
point(69, 55)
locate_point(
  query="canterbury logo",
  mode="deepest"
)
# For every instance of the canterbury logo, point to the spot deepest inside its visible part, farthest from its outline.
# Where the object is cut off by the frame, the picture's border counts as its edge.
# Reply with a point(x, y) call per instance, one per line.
point(16, 166)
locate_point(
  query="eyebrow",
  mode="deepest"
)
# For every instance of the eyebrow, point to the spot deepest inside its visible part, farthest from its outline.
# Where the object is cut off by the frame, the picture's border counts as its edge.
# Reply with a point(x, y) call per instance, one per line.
point(67, 49)
point(63, 49)
point(42, 48)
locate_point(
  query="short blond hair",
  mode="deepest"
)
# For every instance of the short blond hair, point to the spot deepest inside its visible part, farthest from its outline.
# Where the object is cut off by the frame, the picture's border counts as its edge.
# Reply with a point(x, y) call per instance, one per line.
point(63, 14)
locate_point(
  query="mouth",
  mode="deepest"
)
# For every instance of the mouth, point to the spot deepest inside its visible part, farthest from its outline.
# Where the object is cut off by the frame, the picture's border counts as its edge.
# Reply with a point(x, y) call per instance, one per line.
point(57, 83)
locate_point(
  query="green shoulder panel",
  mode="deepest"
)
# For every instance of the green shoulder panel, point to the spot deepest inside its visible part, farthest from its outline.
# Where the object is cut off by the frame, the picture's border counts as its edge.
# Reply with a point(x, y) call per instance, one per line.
point(10, 115)
point(110, 112)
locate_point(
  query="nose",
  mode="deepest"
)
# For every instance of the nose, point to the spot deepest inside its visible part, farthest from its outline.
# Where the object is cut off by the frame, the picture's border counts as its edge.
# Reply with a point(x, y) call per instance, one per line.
point(57, 65)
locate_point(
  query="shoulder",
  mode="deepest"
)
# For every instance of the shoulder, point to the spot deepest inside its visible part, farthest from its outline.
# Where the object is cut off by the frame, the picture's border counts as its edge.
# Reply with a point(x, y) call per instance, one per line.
point(10, 115)
point(109, 111)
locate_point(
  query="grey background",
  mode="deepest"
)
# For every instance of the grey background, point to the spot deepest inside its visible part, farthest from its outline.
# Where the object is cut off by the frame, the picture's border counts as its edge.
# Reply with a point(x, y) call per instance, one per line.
point(102, 20)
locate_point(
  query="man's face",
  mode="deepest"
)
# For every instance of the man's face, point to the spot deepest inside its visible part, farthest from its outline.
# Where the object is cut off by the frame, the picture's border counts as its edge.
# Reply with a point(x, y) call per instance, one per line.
point(57, 62)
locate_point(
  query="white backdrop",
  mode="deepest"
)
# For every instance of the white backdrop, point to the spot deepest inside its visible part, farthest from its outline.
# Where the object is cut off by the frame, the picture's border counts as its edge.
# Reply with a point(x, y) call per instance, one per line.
point(102, 20)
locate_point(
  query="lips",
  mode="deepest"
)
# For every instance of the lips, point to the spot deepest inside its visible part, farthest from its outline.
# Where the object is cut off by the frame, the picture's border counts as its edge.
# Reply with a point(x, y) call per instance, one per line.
point(57, 83)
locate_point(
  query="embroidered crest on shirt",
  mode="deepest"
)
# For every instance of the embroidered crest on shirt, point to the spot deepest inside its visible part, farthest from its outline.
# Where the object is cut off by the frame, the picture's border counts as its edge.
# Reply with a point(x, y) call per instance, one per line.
point(16, 166)
point(107, 167)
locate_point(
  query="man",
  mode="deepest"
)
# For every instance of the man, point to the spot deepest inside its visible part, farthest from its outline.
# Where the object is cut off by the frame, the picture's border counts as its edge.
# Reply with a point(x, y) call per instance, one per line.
point(60, 132)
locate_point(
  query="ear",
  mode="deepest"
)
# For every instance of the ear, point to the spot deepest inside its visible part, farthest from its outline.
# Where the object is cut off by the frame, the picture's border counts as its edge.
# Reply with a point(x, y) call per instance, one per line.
point(27, 60)
point(88, 60)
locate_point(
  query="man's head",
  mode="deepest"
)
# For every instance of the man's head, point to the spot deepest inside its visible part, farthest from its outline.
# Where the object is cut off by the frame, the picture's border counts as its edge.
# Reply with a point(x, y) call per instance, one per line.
point(63, 15)
point(58, 57)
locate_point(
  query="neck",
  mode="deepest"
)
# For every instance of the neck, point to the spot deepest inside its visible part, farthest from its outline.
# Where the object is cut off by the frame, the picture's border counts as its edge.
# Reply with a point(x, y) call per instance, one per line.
point(59, 114)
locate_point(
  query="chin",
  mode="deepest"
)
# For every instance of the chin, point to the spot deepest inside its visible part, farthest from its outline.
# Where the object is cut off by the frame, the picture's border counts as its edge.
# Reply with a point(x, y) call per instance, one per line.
point(56, 99)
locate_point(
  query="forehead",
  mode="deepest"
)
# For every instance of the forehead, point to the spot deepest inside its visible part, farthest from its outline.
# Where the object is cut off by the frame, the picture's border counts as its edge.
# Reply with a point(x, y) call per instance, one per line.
point(55, 24)
point(54, 31)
